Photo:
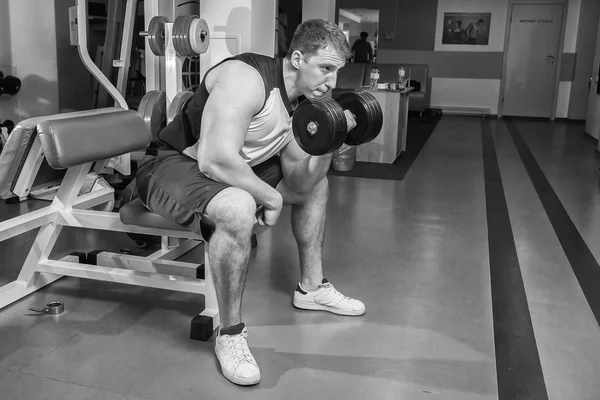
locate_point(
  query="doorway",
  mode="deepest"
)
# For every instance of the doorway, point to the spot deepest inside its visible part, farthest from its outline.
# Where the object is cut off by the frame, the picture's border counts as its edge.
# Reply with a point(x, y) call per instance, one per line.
point(532, 59)
point(592, 124)
point(357, 21)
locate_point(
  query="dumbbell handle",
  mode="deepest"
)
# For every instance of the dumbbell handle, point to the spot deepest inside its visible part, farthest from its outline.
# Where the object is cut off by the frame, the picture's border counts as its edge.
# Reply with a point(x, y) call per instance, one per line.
point(313, 126)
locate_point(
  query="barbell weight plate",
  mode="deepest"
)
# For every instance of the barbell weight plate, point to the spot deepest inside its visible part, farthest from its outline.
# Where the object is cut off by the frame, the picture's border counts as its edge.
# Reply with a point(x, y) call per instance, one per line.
point(152, 108)
point(328, 121)
point(368, 114)
point(177, 104)
point(181, 35)
point(156, 35)
point(199, 36)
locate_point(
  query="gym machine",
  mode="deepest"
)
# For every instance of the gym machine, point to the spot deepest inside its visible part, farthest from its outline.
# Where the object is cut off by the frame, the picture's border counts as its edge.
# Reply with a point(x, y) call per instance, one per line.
point(84, 141)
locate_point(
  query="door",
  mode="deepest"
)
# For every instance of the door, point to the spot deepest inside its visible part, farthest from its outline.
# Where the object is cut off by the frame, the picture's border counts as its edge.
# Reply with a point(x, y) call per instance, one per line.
point(592, 124)
point(530, 86)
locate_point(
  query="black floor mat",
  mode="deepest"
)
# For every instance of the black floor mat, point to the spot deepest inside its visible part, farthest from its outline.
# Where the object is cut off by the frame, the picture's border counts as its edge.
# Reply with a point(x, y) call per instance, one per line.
point(418, 132)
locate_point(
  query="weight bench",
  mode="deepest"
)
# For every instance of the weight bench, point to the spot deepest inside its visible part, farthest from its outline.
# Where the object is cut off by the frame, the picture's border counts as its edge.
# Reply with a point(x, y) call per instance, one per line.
point(80, 142)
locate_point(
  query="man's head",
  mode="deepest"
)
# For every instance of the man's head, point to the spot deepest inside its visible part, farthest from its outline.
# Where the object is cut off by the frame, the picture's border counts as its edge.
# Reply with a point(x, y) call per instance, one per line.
point(316, 34)
point(364, 35)
point(319, 49)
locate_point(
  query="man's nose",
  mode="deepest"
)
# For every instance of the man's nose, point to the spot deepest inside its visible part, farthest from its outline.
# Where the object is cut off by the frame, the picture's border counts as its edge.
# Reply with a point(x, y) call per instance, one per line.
point(331, 81)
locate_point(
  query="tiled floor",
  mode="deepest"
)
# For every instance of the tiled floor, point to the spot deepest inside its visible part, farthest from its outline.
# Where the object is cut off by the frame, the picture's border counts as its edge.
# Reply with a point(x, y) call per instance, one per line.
point(415, 251)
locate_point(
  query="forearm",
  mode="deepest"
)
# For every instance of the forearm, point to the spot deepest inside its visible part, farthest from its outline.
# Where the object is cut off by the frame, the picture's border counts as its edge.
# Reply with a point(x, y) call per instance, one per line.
point(237, 173)
point(307, 173)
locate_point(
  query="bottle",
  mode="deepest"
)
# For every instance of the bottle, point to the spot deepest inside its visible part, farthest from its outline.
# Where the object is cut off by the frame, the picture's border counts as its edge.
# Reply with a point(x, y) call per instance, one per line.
point(374, 78)
point(402, 77)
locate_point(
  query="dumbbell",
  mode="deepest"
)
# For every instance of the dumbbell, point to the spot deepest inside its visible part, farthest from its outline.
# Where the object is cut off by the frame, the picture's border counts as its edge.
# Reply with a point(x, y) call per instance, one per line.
point(320, 125)
point(9, 84)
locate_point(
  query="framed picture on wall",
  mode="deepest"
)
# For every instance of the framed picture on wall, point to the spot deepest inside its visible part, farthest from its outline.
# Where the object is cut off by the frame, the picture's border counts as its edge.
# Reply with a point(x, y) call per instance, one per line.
point(466, 28)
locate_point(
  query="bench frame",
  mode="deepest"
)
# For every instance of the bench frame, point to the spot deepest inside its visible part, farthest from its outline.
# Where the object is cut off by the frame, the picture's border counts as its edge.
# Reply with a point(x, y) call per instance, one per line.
point(158, 270)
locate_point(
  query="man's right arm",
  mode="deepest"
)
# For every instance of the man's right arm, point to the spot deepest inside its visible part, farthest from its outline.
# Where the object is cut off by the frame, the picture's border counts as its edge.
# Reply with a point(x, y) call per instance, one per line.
point(236, 94)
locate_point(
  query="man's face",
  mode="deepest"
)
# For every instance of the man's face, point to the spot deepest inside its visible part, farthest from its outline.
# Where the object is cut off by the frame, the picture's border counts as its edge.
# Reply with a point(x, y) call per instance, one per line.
point(318, 75)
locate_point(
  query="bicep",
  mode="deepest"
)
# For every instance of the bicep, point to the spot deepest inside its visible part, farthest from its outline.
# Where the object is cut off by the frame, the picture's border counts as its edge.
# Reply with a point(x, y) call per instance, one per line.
point(291, 155)
point(235, 96)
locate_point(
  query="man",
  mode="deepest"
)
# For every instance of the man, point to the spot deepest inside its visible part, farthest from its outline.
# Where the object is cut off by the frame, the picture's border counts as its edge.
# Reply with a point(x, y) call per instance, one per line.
point(362, 50)
point(231, 149)
point(474, 31)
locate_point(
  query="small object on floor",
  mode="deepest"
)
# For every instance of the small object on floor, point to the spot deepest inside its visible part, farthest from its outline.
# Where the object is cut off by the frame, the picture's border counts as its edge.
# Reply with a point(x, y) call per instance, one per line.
point(52, 308)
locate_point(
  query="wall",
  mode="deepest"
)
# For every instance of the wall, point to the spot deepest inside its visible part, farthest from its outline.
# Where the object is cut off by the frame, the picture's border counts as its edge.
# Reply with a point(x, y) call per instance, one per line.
point(28, 51)
point(252, 20)
point(470, 76)
point(584, 49)
point(324, 9)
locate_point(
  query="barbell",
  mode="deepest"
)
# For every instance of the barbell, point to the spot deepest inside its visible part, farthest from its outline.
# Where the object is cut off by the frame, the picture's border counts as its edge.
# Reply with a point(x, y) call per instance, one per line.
point(320, 125)
point(190, 34)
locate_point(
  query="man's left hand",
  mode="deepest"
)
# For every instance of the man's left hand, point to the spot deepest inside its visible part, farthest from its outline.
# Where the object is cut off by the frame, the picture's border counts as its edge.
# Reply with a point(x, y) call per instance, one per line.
point(350, 120)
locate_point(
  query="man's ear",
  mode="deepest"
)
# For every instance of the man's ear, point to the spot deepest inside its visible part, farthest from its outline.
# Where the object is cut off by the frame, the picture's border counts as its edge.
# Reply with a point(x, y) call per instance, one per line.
point(296, 58)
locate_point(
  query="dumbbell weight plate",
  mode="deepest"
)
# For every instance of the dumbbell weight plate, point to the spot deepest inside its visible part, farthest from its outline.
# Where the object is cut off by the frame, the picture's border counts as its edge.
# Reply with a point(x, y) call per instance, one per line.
point(177, 104)
point(181, 35)
point(10, 85)
point(368, 113)
point(199, 36)
point(324, 115)
point(152, 108)
point(156, 35)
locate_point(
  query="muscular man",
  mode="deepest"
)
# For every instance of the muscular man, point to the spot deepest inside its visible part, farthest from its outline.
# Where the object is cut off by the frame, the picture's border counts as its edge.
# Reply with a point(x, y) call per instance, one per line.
point(231, 149)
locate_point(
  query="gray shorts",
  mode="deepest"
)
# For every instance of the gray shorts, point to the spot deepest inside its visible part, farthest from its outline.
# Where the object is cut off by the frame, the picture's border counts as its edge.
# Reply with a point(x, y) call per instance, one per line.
point(171, 185)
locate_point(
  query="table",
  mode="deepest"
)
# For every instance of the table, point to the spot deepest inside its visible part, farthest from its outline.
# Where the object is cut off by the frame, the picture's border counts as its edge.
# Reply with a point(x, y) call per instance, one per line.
point(392, 139)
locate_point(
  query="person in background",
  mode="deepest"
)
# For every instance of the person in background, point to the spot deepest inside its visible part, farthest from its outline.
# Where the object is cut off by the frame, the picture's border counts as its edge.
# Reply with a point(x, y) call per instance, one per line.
point(362, 50)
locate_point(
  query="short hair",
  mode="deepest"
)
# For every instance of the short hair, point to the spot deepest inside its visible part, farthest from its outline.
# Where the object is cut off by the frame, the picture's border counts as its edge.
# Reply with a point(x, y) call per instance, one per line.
point(364, 35)
point(315, 34)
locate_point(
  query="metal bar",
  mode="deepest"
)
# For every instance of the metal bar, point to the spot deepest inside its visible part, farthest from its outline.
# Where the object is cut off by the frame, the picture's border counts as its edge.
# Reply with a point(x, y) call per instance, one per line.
point(173, 253)
point(82, 32)
point(126, 44)
point(111, 41)
point(118, 275)
point(152, 61)
point(144, 264)
point(27, 222)
point(110, 221)
point(29, 169)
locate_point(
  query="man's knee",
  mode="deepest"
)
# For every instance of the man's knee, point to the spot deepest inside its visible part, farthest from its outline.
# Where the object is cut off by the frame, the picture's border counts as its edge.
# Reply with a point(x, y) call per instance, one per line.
point(233, 210)
point(295, 195)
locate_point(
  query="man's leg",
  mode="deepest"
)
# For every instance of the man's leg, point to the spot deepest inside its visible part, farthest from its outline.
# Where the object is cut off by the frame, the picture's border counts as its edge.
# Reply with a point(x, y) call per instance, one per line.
point(309, 214)
point(172, 186)
point(308, 225)
point(233, 211)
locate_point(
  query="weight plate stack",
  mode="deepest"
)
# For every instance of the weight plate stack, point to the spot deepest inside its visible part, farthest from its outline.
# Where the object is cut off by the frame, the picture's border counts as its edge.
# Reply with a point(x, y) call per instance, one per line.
point(181, 35)
point(177, 104)
point(368, 114)
point(156, 35)
point(325, 117)
point(376, 114)
point(152, 108)
point(200, 36)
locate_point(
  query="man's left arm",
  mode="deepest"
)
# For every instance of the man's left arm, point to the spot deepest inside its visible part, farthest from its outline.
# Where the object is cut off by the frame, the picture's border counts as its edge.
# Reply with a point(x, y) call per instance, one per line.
point(302, 171)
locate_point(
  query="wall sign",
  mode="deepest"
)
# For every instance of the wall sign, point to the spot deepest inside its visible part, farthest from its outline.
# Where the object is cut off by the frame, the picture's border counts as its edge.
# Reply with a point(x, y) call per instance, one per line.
point(466, 28)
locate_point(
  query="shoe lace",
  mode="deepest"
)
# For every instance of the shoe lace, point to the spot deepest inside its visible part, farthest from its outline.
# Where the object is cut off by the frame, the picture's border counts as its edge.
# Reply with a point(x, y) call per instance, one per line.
point(239, 350)
point(333, 296)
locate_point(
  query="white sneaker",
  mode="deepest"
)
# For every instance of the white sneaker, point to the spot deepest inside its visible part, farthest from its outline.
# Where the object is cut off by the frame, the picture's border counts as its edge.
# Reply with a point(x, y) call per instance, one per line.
point(327, 298)
point(237, 363)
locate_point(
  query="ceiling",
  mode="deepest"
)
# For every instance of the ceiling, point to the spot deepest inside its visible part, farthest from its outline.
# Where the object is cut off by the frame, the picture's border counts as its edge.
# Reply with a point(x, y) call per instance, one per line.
point(359, 15)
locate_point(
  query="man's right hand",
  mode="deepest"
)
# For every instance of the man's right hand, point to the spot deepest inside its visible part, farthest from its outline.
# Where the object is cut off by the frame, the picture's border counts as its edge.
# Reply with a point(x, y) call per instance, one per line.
point(269, 214)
